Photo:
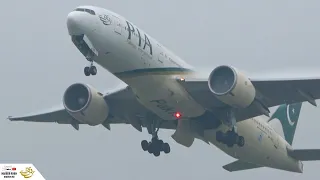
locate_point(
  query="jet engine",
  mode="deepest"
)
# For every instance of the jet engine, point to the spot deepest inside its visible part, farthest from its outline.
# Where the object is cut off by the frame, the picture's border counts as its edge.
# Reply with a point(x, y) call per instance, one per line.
point(85, 104)
point(231, 86)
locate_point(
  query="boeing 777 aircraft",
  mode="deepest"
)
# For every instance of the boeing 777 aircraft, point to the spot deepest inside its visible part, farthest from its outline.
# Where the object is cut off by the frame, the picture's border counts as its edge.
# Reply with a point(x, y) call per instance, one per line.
point(225, 109)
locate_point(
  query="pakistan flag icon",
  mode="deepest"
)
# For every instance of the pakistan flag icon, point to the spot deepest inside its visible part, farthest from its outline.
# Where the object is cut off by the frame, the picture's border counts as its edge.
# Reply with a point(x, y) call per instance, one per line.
point(288, 115)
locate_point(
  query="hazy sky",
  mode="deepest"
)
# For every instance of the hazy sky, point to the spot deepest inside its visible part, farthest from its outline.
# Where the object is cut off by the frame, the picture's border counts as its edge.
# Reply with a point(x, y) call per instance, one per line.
point(39, 61)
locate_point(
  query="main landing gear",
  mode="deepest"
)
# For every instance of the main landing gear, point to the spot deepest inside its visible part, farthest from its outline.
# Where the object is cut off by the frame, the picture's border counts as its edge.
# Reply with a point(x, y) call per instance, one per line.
point(156, 145)
point(230, 138)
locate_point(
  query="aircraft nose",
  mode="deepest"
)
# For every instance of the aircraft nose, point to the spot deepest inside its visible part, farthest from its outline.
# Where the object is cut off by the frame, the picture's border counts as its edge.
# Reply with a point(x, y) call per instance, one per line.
point(74, 23)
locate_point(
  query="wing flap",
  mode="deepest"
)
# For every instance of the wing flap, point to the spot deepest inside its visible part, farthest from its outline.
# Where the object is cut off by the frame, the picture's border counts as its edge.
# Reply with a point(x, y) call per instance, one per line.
point(305, 154)
point(240, 166)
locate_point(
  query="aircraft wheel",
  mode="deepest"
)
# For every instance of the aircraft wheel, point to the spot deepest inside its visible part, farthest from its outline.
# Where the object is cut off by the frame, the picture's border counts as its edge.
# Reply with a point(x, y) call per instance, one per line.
point(144, 145)
point(87, 71)
point(231, 138)
point(219, 136)
point(93, 70)
point(166, 148)
point(156, 153)
point(150, 148)
point(240, 141)
point(160, 142)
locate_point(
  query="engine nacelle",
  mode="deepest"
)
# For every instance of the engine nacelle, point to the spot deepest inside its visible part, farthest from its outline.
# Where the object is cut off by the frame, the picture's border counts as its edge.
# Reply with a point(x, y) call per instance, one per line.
point(85, 104)
point(231, 87)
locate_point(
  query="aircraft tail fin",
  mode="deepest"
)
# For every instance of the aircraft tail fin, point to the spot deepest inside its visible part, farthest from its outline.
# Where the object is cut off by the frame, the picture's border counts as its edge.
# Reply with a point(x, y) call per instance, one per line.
point(288, 115)
point(240, 166)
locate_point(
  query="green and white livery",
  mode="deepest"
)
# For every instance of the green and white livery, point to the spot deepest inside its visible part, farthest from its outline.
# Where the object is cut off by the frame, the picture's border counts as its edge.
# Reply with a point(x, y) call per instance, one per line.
point(288, 115)
point(227, 107)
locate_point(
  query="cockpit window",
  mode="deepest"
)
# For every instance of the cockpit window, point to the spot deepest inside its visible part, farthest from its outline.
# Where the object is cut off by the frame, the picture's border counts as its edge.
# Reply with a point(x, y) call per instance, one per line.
point(86, 10)
point(79, 9)
point(90, 11)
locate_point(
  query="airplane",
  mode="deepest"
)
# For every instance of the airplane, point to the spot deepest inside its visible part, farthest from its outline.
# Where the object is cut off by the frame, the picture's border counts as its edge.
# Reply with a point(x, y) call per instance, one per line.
point(162, 91)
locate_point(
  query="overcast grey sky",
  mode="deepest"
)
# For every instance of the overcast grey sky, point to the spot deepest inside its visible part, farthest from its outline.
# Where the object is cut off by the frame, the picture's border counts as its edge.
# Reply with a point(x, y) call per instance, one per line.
point(38, 62)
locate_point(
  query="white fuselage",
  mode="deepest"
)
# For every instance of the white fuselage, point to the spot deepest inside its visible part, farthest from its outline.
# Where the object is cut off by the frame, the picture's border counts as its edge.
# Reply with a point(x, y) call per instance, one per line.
point(263, 145)
point(150, 70)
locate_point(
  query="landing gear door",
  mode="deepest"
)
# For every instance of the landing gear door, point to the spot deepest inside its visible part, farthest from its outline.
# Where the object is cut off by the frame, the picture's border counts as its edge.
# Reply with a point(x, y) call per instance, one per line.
point(85, 46)
point(117, 27)
point(90, 45)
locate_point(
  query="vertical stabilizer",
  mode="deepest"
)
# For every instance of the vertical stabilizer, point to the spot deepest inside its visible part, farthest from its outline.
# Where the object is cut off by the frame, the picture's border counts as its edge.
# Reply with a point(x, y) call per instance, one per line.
point(288, 115)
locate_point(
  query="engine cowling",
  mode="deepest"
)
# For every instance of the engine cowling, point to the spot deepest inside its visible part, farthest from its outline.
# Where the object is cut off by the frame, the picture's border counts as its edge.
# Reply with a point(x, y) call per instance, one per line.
point(85, 104)
point(231, 86)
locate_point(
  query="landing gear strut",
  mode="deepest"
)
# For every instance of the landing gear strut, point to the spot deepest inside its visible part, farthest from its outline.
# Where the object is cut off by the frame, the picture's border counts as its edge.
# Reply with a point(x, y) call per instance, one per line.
point(230, 138)
point(91, 69)
point(156, 145)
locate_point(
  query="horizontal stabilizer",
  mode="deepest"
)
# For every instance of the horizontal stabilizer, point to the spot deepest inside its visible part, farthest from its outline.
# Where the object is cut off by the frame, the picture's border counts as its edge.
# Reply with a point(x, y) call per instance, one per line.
point(305, 154)
point(240, 165)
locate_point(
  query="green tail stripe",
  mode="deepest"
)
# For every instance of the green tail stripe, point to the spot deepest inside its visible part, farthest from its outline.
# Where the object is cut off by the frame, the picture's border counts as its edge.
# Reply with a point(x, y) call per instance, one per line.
point(288, 115)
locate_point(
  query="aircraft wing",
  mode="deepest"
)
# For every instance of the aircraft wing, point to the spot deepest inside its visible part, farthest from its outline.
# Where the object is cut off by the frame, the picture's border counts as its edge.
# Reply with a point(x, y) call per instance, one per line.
point(124, 109)
point(58, 115)
point(270, 92)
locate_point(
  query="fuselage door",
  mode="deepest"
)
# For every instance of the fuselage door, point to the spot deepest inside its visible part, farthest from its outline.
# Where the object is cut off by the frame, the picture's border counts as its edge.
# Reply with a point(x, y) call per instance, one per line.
point(275, 140)
point(161, 58)
point(117, 27)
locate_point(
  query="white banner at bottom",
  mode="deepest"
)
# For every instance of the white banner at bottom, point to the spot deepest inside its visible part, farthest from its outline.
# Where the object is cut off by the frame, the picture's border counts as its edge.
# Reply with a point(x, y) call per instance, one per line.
point(20, 171)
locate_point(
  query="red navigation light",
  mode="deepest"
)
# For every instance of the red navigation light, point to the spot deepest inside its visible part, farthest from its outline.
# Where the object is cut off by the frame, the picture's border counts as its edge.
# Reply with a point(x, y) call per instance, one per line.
point(177, 115)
